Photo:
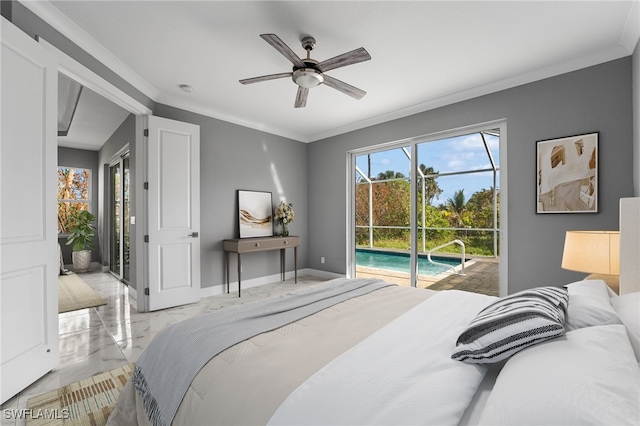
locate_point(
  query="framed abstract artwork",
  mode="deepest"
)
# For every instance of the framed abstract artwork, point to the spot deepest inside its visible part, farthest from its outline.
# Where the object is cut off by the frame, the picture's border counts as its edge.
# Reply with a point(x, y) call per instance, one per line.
point(567, 180)
point(255, 214)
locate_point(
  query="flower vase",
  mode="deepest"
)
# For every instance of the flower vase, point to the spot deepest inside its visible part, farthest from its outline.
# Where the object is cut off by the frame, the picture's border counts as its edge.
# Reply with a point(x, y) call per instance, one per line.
point(285, 230)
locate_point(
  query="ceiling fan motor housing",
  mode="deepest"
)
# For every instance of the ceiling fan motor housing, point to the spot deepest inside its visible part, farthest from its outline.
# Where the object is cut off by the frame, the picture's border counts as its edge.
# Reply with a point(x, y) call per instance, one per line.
point(308, 43)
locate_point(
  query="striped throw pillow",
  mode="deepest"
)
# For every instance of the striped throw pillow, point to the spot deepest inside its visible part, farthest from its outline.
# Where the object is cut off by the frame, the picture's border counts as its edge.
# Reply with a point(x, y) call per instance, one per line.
point(513, 323)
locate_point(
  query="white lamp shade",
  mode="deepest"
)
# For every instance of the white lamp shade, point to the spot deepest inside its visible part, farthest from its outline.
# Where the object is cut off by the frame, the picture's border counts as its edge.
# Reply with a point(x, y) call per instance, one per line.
point(594, 252)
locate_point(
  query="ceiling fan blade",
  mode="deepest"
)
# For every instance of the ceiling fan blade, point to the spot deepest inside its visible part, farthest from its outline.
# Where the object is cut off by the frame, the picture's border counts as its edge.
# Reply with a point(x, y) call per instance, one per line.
point(353, 57)
point(281, 47)
point(301, 97)
point(266, 77)
point(343, 87)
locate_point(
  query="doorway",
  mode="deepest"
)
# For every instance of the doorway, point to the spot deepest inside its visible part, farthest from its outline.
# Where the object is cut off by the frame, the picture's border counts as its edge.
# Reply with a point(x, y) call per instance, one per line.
point(119, 218)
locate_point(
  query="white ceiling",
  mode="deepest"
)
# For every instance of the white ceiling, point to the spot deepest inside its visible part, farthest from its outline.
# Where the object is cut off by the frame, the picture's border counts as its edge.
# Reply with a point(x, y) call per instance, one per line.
point(424, 53)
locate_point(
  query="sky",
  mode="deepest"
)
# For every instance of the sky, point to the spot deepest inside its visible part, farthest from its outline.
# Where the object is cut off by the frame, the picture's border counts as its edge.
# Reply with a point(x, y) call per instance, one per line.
point(455, 154)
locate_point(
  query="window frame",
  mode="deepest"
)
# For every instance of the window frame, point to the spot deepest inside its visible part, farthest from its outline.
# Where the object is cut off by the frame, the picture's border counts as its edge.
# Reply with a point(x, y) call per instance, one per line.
point(86, 201)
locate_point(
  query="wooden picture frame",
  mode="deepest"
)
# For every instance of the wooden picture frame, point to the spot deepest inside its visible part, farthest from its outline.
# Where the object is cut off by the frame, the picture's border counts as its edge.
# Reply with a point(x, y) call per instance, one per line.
point(567, 174)
point(255, 214)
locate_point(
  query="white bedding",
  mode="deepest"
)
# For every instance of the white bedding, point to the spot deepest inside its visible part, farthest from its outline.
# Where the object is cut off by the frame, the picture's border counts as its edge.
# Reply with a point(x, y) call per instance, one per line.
point(586, 377)
point(402, 374)
point(385, 358)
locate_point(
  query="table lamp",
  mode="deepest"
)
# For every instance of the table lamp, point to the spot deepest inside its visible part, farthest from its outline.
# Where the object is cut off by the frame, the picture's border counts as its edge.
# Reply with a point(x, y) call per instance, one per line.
point(594, 252)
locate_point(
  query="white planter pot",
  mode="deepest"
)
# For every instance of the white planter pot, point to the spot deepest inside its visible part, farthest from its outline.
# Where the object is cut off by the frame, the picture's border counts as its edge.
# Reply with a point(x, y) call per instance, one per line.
point(81, 260)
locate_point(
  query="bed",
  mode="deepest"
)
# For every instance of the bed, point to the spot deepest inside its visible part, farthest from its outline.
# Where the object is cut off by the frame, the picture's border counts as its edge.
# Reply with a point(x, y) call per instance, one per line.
point(366, 352)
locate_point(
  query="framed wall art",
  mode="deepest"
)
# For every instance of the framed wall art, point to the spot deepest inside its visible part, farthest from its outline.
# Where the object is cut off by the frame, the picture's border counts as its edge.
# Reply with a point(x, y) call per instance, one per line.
point(567, 180)
point(255, 214)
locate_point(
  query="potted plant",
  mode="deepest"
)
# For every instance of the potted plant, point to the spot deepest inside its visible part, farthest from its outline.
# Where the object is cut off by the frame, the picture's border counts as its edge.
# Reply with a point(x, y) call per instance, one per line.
point(82, 233)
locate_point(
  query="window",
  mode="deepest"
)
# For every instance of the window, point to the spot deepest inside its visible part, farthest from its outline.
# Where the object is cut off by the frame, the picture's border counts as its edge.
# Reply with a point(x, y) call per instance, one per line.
point(73, 194)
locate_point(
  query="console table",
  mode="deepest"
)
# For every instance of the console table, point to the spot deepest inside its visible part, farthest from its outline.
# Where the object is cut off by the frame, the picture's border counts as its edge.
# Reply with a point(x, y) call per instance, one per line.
point(241, 246)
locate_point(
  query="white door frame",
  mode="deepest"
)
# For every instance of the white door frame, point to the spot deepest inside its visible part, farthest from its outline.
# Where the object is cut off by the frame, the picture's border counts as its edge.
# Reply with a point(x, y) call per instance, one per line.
point(78, 72)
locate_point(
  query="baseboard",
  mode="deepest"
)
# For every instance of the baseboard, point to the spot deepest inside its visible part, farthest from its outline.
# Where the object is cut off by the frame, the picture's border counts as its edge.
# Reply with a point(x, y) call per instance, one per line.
point(255, 282)
point(133, 293)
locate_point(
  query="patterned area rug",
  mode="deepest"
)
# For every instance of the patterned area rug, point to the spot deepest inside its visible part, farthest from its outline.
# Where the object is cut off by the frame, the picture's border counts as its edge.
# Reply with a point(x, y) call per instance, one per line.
point(87, 402)
point(74, 294)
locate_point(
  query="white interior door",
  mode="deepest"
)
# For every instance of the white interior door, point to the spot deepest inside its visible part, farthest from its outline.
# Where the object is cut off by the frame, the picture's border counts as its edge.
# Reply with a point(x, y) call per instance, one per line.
point(173, 213)
point(28, 235)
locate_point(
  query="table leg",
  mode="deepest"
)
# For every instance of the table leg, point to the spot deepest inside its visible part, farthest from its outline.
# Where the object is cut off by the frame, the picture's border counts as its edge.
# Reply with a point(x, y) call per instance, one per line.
point(295, 263)
point(226, 258)
point(282, 265)
point(239, 273)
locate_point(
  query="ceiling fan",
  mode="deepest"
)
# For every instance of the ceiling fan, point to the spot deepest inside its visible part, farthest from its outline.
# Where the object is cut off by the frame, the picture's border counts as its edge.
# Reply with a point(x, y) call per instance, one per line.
point(308, 73)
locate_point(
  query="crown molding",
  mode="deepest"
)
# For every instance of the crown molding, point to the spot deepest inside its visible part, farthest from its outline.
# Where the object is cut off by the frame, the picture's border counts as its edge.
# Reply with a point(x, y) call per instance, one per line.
point(209, 112)
point(497, 86)
point(631, 32)
point(61, 23)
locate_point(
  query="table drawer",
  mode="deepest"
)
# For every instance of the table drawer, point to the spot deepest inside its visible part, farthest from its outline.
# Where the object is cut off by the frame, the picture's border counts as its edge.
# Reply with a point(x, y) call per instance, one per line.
point(259, 244)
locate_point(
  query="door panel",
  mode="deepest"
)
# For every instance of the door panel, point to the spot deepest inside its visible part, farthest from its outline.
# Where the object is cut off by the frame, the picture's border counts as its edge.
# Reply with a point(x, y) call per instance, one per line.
point(28, 237)
point(174, 213)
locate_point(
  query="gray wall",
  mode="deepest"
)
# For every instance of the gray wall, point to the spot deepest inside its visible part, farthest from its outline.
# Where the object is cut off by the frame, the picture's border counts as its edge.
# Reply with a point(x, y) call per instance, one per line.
point(125, 134)
point(593, 99)
point(314, 176)
point(636, 121)
point(81, 158)
point(233, 157)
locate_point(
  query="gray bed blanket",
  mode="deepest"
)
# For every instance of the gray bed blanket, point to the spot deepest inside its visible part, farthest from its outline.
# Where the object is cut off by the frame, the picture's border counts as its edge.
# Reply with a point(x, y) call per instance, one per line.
point(167, 367)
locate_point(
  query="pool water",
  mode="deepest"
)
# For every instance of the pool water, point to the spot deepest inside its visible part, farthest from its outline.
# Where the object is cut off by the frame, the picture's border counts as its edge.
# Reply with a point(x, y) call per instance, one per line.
point(400, 262)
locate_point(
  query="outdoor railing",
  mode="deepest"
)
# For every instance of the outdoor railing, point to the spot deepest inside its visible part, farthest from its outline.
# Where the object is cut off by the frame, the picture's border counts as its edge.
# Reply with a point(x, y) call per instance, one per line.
point(461, 244)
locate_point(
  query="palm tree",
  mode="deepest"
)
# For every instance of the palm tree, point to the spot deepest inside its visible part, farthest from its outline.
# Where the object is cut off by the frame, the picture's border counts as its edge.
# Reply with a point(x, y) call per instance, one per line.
point(431, 187)
point(389, 174)
point(457, 206)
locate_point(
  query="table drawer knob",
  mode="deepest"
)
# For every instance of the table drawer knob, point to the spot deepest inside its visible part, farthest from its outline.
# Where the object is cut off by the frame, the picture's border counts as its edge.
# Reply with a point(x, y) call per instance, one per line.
point(285, 241)
point(257, 244)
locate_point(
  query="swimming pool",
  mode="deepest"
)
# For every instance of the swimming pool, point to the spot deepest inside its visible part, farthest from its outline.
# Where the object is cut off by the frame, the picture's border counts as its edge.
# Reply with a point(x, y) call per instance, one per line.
point(399, 262)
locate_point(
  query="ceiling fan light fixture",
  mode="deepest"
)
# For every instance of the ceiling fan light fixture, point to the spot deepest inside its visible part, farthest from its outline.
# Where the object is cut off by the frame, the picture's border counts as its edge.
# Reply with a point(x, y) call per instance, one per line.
point(307, 77)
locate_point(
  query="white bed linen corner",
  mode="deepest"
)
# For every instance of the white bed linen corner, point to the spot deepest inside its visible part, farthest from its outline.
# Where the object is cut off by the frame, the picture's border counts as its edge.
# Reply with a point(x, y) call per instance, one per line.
point(402, 374)
point(586, 377)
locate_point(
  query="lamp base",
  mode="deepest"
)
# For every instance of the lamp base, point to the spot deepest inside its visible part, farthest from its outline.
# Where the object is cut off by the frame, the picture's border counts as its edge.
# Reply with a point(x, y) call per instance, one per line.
point(613, 281)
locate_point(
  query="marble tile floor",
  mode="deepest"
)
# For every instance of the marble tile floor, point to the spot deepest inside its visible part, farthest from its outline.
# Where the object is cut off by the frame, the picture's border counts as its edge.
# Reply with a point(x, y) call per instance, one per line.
point(99, 339)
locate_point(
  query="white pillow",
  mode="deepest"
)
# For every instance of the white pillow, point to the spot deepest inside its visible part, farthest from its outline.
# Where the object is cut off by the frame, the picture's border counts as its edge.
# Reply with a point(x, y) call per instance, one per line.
point(511, 324)
point(587, 376)
point(589, 305)
point(627, 307)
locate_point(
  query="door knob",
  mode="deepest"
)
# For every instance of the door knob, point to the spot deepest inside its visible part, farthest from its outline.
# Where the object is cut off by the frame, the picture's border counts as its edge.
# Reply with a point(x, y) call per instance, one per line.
point(193, 234)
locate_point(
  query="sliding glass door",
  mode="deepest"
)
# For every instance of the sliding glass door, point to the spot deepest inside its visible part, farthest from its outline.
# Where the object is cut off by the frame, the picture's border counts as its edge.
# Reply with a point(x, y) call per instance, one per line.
point(426, 211)
point(119, 218)
point(383, 215)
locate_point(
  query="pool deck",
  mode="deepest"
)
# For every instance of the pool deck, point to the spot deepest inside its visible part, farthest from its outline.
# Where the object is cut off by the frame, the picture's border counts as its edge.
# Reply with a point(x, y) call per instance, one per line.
point(481, 276)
